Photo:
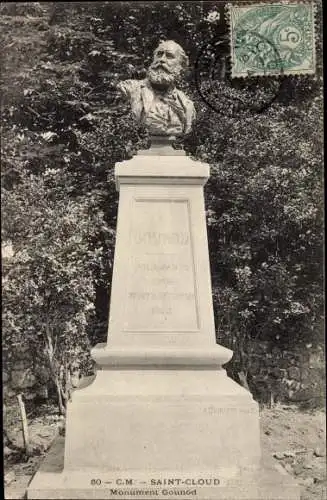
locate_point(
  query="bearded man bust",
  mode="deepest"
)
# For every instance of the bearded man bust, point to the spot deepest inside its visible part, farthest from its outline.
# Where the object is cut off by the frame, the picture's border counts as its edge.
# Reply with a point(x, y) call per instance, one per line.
point(155, 101)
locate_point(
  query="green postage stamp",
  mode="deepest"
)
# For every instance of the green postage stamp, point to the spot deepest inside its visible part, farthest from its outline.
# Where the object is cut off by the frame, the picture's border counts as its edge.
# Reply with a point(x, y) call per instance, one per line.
point(272, 38)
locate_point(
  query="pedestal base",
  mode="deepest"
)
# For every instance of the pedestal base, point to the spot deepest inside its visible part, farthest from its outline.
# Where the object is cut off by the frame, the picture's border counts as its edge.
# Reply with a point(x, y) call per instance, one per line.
point(52, 482)
point(162, 420)
point(164, 433)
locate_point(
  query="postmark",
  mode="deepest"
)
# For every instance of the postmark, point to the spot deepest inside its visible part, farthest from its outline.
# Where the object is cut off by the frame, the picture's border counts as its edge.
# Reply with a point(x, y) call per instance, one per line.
point(211, 86)
point(259, 31)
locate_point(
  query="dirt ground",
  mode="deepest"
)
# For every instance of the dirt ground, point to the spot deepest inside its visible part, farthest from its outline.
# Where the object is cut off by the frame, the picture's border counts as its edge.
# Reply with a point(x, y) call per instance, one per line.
point(295, 438)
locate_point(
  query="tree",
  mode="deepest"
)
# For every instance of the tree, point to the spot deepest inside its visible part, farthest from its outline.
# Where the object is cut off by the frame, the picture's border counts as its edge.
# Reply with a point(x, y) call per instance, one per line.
point(49, 287)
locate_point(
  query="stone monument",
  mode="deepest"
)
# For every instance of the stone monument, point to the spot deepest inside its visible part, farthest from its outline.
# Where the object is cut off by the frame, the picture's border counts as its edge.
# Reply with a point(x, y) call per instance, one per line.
point(161, 419)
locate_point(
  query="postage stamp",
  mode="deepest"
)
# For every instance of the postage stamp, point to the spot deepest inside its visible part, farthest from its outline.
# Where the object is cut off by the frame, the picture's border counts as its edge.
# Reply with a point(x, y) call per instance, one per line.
point(272, 39)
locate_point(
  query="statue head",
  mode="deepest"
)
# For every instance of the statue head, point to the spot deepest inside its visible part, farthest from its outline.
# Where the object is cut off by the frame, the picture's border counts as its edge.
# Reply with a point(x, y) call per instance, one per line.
point(155, 101)
point(169, 62)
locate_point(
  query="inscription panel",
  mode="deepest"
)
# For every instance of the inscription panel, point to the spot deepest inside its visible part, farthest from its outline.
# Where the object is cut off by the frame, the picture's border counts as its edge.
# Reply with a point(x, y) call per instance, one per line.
point(161, 294)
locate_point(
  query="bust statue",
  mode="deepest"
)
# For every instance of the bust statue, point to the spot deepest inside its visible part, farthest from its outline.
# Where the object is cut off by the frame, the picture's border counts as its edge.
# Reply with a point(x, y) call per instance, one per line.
point(155, 101)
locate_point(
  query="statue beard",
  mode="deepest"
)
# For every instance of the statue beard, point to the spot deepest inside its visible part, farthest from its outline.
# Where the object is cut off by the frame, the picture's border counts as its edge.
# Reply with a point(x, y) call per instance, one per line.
point(162, 77)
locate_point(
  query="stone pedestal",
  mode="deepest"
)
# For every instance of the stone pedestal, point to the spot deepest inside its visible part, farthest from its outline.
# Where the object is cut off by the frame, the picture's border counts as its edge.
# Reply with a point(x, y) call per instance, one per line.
point(162, 419)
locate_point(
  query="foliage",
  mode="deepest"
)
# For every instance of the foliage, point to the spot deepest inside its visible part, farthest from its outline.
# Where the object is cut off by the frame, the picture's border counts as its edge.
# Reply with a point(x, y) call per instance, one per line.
point(64, 129)
point(49, 288)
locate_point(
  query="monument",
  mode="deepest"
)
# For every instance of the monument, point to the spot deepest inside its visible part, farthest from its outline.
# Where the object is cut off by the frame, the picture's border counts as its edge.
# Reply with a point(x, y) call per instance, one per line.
point(161, 419)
